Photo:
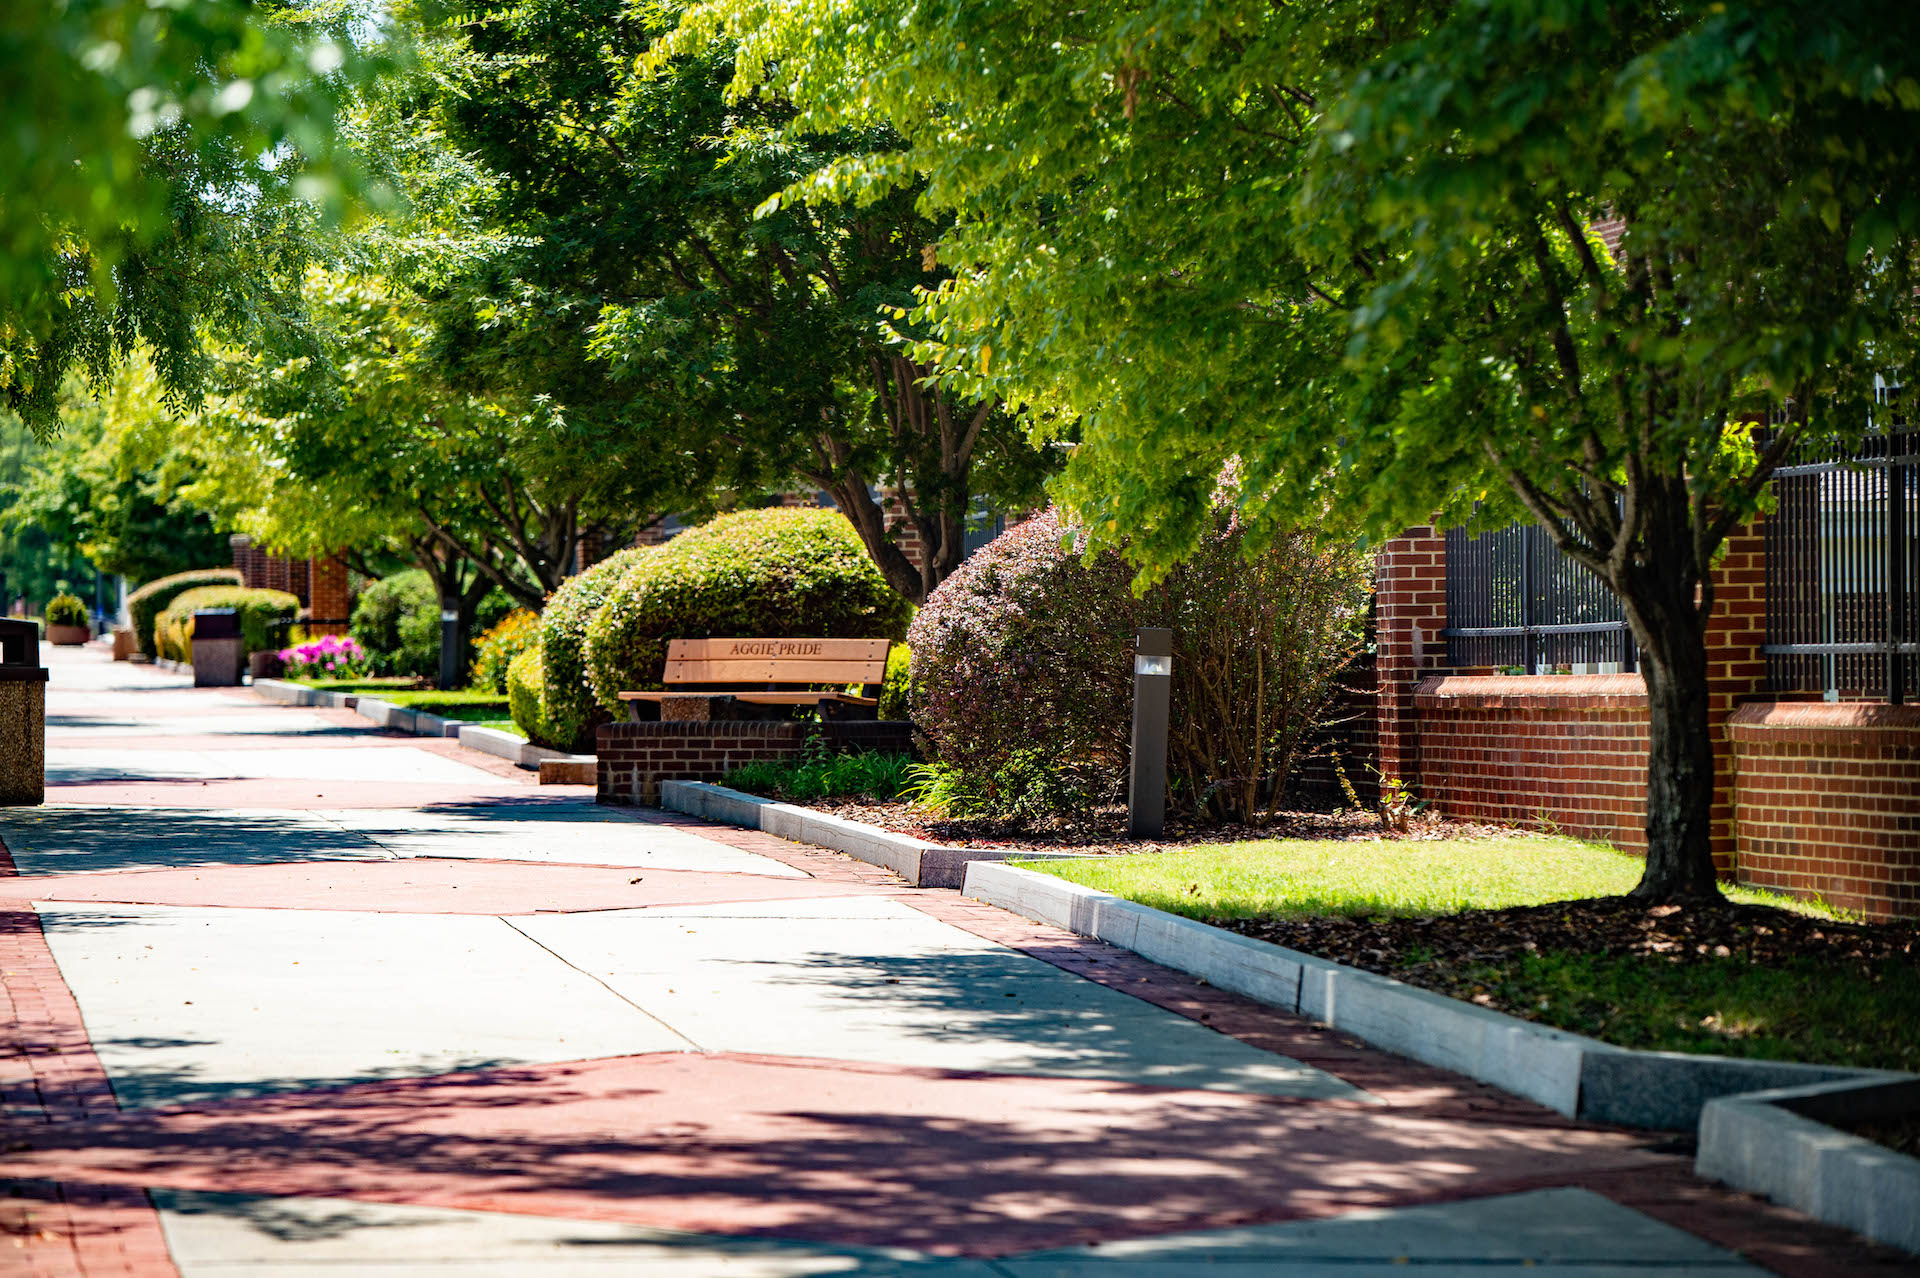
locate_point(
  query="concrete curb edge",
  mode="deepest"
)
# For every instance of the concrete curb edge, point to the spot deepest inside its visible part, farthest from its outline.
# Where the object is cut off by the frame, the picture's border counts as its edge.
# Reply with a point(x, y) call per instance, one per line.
point(1788, 1144)
point(1574, 1075)
point(919, 862)
point(493, 741)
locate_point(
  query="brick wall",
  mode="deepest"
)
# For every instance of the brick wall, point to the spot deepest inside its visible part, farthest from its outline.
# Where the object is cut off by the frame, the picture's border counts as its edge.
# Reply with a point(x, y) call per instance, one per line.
point(328, 595)
point(1410, 611)
point(1828, 802)
point(1567, 752)
point(636, 757)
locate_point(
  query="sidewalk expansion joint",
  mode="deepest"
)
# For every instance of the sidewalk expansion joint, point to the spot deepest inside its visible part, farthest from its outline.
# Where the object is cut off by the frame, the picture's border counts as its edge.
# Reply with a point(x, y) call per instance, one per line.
point(691, 1045)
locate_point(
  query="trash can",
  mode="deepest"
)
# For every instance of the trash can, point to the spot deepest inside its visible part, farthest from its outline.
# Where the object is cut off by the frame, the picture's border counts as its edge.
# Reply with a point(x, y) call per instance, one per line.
point(23, 715)
point(218, 650)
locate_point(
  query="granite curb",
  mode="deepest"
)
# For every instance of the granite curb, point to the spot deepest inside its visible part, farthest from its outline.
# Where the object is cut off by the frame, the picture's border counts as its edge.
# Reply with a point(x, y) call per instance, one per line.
point(1788, 1144)
point(503, 745)
point(1574, 1075)
point(919, 862)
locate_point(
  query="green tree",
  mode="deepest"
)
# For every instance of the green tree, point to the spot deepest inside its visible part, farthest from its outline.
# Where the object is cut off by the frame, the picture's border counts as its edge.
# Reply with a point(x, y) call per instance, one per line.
point(677, 334)
point(1351, 247)
point(109, 487)
point(174, 153)
point(365, 447)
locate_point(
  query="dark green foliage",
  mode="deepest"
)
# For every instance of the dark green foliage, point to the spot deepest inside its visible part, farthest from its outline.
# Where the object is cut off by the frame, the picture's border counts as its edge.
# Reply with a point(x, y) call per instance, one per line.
point(397, 620)
point(567, 695)
point(820, 775)
point(762, 573)
point(896, 694)
point(66, 610)
point(261, 612)
point(145, 605)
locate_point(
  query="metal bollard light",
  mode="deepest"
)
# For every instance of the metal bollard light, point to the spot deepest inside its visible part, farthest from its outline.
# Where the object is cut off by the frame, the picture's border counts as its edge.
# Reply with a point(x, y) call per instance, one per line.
point(1152, 706)
point(449, 646)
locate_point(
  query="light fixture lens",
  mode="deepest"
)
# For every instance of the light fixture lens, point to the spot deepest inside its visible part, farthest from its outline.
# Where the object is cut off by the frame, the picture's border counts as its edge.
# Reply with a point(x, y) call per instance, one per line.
point(1143, 664)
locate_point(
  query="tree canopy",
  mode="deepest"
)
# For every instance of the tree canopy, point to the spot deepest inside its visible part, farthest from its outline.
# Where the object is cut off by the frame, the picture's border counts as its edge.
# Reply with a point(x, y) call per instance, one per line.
point(672, 327)
point(1354, 250)
point(171, 152)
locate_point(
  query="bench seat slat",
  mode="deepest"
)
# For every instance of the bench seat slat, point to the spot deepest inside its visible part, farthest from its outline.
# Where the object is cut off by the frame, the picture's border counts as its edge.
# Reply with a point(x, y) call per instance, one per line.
point(758, 698)
point(764, 671)
point(778, 649)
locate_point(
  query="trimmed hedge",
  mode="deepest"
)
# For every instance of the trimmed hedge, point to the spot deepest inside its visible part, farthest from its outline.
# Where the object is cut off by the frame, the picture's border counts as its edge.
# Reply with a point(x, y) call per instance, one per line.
point(259, 610)
point(526, 701)
point(896, 694)
point(567, 699)
point(765, 573)
point(145, 605)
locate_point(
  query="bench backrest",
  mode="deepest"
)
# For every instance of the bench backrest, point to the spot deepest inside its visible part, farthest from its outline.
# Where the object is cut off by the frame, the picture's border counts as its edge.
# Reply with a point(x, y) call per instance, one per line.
point(765, 661)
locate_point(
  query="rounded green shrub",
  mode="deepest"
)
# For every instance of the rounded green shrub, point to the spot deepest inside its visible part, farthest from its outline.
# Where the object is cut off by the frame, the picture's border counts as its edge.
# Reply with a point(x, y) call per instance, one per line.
point(526, 700)
point(896, 694)
point(762, 573)
point(397, 620)
point(568, 697)
point(67, 610)
point(145, 605)
point(1023, 668)
point(260, 611)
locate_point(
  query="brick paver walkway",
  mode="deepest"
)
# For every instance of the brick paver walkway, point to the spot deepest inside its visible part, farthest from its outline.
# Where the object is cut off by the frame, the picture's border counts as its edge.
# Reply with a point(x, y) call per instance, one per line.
point(286, 995)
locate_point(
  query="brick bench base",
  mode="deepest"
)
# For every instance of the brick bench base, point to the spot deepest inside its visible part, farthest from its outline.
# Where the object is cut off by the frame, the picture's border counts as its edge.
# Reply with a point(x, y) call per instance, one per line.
point(636, 757)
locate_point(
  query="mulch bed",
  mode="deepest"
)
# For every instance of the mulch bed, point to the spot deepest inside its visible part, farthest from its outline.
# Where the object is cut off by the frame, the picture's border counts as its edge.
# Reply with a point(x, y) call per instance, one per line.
point(1611, 926)
point(1900, 1134)
point(1104, 832)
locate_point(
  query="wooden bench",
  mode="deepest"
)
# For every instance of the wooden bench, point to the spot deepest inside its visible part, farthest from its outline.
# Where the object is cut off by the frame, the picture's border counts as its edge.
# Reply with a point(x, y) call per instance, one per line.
point(734, 673)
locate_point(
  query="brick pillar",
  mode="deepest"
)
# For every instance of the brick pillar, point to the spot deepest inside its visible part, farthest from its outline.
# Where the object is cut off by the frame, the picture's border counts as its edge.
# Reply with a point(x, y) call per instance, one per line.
point(587, 551)
point(255, 573)
point(328, 596)
point(242, 547)
point(1736, 668)
point(278, 575)
point(1410, 611)
point(908, 535)
point(300, 580)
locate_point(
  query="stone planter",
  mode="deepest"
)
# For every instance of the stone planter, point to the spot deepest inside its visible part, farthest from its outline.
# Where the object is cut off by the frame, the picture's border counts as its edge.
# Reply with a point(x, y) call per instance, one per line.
point(68, 636)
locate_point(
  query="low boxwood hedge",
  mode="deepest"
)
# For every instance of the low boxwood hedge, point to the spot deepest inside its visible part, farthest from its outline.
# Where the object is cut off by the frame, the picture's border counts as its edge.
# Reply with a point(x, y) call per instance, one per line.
point(779, 572)
point(526, 701)
point(145, 605)
point(259, 611)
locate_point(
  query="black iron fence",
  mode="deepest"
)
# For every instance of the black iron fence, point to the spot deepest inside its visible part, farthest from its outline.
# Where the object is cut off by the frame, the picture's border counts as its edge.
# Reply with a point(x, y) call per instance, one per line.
point(1843, 550)
point(1514, 600)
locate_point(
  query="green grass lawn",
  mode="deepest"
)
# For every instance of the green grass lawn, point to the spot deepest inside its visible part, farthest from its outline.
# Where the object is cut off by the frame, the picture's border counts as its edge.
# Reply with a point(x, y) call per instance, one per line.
point(1812, 1008)
point(469, 705)
point(1300, 877)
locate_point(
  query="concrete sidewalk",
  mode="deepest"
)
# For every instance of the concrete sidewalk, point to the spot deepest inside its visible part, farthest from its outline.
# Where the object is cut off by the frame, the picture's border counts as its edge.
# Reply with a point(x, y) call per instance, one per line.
point(289, 996)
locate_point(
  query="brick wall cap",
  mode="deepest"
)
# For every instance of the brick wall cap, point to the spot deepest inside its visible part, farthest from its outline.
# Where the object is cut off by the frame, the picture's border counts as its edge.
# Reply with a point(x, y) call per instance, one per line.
point(1827, 714)
point(1625, 686)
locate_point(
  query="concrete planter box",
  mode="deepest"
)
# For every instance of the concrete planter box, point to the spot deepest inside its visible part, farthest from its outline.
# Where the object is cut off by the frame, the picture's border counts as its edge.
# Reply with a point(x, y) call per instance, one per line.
point(68, 636)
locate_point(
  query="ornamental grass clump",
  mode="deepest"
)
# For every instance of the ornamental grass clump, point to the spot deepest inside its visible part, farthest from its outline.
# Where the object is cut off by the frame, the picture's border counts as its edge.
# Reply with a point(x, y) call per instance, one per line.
point(1023, 669)
point(761, 573)
point(327, 657)
point(66, 610)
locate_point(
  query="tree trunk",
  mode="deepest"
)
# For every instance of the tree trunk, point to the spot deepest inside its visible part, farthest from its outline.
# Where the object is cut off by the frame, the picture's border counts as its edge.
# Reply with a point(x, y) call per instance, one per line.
point(1669, 614)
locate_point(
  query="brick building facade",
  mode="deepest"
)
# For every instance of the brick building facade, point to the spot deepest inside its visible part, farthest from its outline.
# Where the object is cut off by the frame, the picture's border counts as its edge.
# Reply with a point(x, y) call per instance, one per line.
point(320, 584)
